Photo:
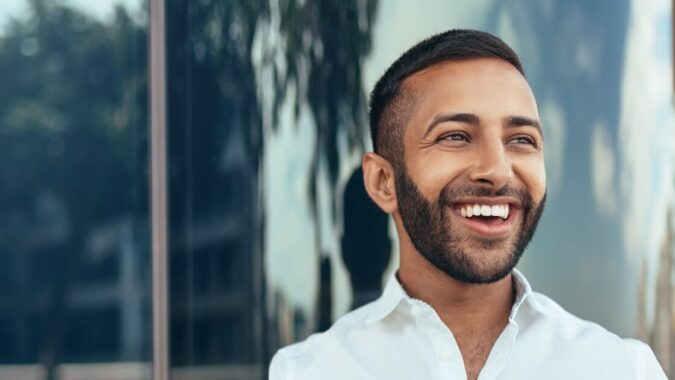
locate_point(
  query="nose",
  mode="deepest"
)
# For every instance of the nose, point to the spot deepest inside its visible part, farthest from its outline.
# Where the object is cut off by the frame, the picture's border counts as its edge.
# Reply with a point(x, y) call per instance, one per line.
point(492, 166)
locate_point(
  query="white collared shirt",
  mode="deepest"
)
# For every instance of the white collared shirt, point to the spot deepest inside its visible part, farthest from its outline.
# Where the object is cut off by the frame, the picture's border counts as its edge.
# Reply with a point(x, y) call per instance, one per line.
point(398, 337)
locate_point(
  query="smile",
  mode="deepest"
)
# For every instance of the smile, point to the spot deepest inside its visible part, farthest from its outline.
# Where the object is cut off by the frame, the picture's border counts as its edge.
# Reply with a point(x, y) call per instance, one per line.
point(469, 211)
point(491, 220)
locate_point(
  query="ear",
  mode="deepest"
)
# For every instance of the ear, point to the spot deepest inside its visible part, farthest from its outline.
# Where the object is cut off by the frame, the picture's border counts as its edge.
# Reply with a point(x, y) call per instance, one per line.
point(378, 177)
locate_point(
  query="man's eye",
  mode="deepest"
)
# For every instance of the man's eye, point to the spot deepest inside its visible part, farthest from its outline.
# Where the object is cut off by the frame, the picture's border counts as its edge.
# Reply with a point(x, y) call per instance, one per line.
point(454, 137)
point(522, 140)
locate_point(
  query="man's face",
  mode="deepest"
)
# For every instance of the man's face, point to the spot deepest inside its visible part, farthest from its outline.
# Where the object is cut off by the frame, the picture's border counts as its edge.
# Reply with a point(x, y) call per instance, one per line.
point(473, 183)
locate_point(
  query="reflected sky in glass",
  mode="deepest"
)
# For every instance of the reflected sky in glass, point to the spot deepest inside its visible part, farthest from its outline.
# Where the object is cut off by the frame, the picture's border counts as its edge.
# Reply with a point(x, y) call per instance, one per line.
point(101, 10)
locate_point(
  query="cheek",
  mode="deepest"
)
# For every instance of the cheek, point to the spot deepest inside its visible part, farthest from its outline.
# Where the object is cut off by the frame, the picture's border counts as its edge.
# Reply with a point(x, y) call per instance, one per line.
point(533, 175)
point(434, 173)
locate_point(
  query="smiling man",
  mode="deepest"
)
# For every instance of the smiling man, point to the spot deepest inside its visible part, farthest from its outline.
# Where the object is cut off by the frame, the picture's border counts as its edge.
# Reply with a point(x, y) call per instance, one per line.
point(458, 162)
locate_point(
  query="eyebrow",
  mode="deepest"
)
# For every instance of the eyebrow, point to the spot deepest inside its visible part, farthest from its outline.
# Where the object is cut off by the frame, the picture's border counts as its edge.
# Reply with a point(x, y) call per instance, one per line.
point(522, 121)
point(474, 120)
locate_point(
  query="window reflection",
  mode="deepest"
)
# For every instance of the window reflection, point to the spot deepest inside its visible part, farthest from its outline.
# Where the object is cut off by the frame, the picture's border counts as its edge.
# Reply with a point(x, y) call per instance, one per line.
point(216, 292)
point(74, 233)
point(221, 111)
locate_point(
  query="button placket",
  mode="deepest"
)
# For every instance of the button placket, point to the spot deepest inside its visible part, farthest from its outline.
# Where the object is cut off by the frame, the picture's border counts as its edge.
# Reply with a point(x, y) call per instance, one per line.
point(442, 342)
point(500, 353)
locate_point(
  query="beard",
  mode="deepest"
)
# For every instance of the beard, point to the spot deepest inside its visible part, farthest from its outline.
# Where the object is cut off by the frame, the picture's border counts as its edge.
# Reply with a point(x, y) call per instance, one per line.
point(465, 258)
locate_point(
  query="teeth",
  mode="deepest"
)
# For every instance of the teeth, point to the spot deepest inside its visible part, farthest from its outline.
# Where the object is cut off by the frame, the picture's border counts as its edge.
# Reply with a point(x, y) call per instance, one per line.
point(469, 211)
point(486, 210)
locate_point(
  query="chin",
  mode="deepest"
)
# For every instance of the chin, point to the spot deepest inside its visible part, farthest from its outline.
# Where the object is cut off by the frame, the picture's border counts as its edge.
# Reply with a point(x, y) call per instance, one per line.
point(481, 264)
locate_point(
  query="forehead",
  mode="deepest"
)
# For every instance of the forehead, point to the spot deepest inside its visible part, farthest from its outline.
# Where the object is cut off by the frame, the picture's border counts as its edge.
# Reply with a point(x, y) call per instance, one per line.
point(489, 88)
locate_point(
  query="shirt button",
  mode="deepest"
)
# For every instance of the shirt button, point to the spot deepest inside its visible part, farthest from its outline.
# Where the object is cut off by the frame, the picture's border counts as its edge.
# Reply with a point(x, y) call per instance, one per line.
point(445, 355)
point(416, 311)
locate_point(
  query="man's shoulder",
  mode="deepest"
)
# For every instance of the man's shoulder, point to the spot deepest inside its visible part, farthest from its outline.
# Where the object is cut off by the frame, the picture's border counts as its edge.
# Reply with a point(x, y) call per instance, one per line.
point(570, 335)
point(567, 326)
point(334, 342)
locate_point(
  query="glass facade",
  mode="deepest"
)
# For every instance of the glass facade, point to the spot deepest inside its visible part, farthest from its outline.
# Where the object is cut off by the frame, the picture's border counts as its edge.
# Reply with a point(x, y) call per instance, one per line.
point(214, 143)
point(270, 234)
point(74, 232)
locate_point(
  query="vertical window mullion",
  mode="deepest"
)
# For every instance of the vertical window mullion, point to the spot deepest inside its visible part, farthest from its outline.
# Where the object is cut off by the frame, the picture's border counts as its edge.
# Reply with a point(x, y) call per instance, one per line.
point(158, 190)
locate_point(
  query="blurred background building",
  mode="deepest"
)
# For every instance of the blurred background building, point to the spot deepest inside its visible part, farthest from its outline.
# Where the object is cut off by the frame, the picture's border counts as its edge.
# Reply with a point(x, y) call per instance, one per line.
point(270, 235)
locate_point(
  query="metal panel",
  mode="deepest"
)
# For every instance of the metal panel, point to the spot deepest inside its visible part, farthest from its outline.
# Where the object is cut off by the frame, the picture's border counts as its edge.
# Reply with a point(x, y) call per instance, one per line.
point(157, 40)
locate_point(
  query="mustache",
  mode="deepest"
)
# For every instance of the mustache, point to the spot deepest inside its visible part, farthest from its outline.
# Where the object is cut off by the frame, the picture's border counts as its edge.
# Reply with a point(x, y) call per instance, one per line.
point(452, 192)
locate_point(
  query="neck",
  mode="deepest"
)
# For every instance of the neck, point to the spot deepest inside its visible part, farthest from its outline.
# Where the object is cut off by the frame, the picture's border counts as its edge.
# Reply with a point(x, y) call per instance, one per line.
point(461, 306)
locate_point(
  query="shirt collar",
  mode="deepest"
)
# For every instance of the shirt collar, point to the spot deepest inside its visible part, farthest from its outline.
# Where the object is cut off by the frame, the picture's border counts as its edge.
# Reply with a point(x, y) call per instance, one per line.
point(393, 295)
point(523, 292)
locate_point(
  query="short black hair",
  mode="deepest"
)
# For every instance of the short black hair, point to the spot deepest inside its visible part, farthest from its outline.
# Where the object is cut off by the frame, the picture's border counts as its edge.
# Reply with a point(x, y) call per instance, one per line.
point(390, 105)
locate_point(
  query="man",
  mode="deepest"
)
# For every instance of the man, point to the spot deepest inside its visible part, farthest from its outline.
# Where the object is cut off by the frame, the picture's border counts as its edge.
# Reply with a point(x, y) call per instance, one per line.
point(459, 163)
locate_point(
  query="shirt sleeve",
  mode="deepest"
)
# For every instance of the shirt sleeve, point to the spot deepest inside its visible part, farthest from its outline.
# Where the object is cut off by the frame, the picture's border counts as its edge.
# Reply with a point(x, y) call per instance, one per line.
point(278, 367)
point(646, 365)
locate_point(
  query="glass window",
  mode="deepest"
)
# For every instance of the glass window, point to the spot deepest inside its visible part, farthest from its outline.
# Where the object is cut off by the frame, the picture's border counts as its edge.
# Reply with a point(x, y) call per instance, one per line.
point(214, 141)
point(74, 232)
